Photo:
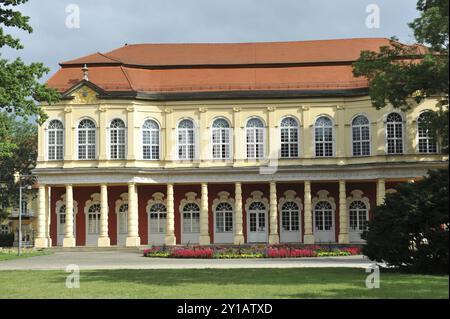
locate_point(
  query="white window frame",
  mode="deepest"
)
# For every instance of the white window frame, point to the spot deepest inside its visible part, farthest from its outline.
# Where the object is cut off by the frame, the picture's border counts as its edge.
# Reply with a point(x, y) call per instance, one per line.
point(77, 144)
point(262, 132)
point(289, 142)
point(118, 144)
point(221, 143)
point(187, 145)
point(427, 138)
point(55, 145)
point(333, 137)
point(361, 141)
point(402, 139)
point(151, 145)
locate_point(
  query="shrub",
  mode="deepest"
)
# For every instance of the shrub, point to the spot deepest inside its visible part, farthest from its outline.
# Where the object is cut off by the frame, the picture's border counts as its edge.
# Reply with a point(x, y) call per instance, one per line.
point(6, 240)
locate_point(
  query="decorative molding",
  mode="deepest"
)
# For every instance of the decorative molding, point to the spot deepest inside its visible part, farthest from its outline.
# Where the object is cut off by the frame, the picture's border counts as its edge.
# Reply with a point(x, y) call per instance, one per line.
point(202, 109)
point(95, 199)
point(84, 95)
point(340, 107)
point(123, 200)
point(222, 197)
point(271, 108)
point(357, 195)
point(130, 108)
point(68, 109)
point(322, 195)
point(256, 196)
point(237, 109)
point(168, 110)
point(102, 108)
point(305, 108)
point(290, 196)
point(191, 197)
point(158, 198)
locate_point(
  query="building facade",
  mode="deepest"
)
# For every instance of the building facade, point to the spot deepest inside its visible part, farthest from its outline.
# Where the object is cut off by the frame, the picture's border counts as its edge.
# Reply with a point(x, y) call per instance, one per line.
point(221, 144)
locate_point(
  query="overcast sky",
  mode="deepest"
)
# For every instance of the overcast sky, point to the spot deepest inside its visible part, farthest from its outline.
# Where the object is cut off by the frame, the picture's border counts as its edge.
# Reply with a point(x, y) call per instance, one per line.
point(108, 24)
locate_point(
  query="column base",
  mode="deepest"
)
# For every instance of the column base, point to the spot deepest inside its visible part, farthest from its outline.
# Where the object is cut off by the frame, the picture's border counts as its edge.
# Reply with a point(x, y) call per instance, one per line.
point(41, 242)
point(274, 239)
point(204, 240)
point(103, 242)
point(239, 240)
point(170, 240)
point(343, 239)
point(133, 242)
point(49, 241)
point(309, 239)
point(69, 242)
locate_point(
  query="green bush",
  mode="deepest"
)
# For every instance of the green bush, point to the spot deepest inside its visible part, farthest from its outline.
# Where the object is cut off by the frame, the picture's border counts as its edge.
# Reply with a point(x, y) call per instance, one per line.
point(6, 240)
point(410, 230)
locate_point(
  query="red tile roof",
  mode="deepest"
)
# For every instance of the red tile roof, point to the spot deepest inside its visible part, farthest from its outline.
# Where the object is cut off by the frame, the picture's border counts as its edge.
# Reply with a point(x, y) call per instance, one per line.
point(155, 68)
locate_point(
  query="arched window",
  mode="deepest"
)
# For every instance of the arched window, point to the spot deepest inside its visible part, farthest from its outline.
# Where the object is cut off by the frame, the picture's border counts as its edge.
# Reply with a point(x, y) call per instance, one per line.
point(86, 140)
point(55, 140)
point(117, 139)
point(358, 215)
point(257, 212)
point(394, 133)
point(361, 136)
point(220, 139)
point(427, 142)
point(186, 140)
point(323, 136)
point(122, 215)
point(323, 213)
point(224, 218)
point(94, 219)
point(158, 215)
point(191, 218)
point(255, 138)
point(289, 138)
point(290, 216)
point(150, 140)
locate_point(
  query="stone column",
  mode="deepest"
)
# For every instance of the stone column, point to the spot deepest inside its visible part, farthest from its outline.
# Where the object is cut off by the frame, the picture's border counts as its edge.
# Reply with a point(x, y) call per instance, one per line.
point(170, 219)
point(273, 218)
point(238, 228)
point(69, 239)
point(48, 215)
point(309, 235)
point(133, 239)
point(204, 226)
point(103, 239)
point(343, 219)
point(41, 239)
point(381, 191)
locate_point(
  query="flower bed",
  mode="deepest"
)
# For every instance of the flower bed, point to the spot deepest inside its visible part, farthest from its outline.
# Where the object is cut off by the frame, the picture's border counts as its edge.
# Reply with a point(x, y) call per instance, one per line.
point(273, 251)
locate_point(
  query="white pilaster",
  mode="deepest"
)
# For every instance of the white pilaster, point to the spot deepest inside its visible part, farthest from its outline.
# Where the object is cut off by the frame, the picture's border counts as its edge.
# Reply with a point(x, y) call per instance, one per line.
point(69, 239)
point(274, 238)
point(309, 235)
point(170, 219)
point(204, 225)
point(238, 228)
point(381, 191)
point(343, 237)
point(103, 239)
point(41, 239)
point(133, 239)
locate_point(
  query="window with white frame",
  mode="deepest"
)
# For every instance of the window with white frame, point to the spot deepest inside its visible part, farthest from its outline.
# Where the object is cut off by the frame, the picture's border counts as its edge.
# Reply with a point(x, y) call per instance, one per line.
point(358, 215)
point(86, 139)
point(257, 214)
point(323, 136)
point(224, 218)
point(158, 215)
point(117, 139)
point(221, 138)
point(55, 133)
point(290, 213)
point(122, 216)
point(186, 140)
point(94, 219)
point(394, 133)
point(191, 218)
point(255, 138)
point(323, 216)
point(427, 142)
point(289, 134)
point(4, 229)
point(150, 140)
point(361, 136)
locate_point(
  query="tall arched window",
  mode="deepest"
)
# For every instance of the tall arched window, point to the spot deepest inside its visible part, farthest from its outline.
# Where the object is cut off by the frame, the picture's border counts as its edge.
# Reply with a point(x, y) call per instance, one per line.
point(150, 140)
point(394, 133)
point(220, 139)
point(427, 142)
point(117, 139)
point(186, 140)
point(358, 215)
point(289, 138)
point(290, 216)
point(158, 215)
point(122, 215)
point(224, 218)
point(86, 140)
point(323, 136)
point(191, 218)
point(323, 214)
point(55, 140)
point(255, 138)
point(94, 219)
point(361, 136)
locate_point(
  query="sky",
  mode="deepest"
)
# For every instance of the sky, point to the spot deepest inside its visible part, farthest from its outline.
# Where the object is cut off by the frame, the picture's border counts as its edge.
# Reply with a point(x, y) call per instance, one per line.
point(107, 24)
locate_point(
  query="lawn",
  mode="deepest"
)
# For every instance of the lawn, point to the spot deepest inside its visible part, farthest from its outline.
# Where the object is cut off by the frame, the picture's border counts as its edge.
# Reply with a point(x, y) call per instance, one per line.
point(12, 254)
point(221, 283)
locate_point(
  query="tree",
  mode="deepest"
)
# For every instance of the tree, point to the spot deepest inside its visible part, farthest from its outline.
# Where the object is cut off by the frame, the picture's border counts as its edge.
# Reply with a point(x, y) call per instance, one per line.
point(404, 75)
point(410, 230)
point(20, 89)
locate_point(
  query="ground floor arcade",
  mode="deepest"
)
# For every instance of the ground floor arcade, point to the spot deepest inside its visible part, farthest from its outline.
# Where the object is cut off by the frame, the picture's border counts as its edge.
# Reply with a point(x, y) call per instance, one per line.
point(136, 213)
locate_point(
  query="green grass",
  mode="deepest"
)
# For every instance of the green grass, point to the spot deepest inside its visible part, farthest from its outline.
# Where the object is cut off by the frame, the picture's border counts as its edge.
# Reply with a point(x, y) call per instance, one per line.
point(12, 254)
point(221, 283)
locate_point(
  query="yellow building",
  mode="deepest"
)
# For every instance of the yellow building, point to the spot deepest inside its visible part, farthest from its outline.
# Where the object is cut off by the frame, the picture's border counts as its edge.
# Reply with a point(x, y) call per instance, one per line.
point(221, 143)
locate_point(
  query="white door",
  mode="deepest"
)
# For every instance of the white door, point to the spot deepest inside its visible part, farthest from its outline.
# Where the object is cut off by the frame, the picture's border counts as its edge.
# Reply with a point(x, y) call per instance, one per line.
point(61, 225)
point(190, 222)
point(290, 231)
point(324, 223)
point(223, 221)
point(157, 224)
point(122, 225)
point(358, 216)
point(93, 225)
point(257, 223)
